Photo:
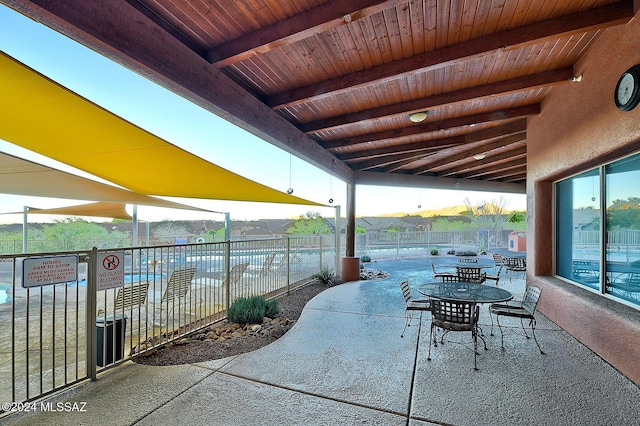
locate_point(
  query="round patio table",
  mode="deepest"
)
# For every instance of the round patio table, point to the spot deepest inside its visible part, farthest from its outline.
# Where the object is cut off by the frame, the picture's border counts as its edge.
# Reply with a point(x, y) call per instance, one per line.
point(464, 292)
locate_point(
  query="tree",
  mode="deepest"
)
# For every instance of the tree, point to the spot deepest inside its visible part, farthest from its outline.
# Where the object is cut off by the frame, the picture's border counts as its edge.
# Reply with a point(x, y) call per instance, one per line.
point(310, 223)
point(516, 217)
point(488, 214)
point(167, 232)
point(218, 234)
point(624, 214)
point(73, 233)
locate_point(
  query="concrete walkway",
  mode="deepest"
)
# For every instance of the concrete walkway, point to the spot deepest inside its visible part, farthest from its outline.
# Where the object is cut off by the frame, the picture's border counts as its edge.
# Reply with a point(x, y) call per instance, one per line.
point(344, 363)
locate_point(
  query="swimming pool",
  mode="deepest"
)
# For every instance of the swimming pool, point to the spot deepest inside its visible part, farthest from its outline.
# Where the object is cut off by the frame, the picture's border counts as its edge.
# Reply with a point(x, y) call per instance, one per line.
point(3, 294)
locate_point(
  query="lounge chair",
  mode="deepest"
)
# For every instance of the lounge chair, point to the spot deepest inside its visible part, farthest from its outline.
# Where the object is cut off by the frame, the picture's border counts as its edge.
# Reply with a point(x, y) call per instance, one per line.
point(128, 298)
point(174, 296)
point(206, 287)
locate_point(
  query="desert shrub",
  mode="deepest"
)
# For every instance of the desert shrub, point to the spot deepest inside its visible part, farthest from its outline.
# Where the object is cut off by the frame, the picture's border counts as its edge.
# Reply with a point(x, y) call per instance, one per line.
point(271, 308)
point(325, 276)
point(434, 252)
point(247, 310)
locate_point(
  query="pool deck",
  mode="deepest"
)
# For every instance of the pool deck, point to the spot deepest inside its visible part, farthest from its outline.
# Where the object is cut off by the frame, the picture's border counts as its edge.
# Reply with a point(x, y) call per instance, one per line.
point(344, 362)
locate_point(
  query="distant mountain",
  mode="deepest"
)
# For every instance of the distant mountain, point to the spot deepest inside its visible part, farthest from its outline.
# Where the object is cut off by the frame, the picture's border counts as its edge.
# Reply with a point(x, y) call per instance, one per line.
point(446, 211)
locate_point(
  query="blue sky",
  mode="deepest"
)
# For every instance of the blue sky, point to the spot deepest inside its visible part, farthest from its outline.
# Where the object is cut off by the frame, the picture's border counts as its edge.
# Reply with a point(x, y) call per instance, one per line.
point(194, 129)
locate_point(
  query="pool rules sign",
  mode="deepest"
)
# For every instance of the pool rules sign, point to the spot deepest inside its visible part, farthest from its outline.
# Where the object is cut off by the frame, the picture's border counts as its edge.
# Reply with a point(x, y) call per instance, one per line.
point(110, 270)
point(48, 270)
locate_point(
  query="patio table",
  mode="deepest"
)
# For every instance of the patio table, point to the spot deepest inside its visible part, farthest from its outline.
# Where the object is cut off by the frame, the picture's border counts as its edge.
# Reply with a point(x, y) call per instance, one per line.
point(464, 292)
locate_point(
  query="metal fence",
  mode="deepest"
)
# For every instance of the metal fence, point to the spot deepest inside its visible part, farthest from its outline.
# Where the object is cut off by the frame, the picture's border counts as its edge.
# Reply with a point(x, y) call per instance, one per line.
point(385, 243)
point(55, 335)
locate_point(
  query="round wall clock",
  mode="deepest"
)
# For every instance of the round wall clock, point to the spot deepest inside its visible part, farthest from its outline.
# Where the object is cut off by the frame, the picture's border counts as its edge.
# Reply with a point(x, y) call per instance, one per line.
point(627, 94)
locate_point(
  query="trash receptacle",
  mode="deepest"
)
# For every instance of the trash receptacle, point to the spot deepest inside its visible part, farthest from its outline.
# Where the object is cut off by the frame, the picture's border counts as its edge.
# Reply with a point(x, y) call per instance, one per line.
point(110, 333)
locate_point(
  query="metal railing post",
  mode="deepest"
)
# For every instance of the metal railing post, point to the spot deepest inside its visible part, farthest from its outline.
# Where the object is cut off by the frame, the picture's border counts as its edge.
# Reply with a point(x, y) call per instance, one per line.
point(227, 267)
point(91, 312)
point(288, 264)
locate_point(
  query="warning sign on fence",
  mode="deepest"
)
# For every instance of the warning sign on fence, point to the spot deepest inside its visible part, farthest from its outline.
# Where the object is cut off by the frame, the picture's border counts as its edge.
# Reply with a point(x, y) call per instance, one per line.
point(110, 270)
point(47, 270)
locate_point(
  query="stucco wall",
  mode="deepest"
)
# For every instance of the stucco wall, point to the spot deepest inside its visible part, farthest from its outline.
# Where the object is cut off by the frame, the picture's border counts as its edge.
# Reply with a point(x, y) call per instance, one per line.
point(580, 127)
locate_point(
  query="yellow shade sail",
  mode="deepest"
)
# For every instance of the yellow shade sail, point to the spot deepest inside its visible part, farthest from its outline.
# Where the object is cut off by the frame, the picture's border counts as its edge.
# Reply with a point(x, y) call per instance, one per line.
point(45, 117)
point(100, 209)
point(23, 177)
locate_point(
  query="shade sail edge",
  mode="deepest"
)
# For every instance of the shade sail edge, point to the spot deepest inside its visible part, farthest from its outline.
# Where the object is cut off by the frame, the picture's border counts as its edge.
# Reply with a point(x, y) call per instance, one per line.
point(120, 152)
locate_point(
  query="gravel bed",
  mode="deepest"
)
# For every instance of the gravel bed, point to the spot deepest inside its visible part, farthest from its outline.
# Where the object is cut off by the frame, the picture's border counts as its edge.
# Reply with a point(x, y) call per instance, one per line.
point(191, 349)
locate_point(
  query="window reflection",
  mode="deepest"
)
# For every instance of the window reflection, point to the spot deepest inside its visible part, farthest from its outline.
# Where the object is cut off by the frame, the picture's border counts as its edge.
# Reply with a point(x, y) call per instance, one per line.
point(578, 234)
point(623, 229)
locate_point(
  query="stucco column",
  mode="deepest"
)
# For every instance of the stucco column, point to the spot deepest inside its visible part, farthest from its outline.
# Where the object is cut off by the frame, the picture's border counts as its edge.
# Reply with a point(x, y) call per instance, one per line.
point(351, 220)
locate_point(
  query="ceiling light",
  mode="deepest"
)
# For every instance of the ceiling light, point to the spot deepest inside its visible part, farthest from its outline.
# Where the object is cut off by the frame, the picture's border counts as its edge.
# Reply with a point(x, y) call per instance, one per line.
point(418, 117)
point(480, 156)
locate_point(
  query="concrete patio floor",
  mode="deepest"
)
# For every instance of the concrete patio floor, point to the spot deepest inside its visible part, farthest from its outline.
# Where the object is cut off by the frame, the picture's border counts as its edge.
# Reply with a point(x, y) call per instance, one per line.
point(344, 362)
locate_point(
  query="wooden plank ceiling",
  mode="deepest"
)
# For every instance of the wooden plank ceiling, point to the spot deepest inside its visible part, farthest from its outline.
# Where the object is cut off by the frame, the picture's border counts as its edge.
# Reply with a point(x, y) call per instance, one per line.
point(336, 81)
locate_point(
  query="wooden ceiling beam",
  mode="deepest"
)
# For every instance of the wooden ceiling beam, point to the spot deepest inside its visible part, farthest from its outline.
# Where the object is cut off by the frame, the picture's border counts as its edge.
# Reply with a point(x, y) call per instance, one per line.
point(505, 174)
point(474, 172)
point(539, 32)
point(527, 82)
point(417, 129)
point(486, 162)
point(318, 20)
point(427, 146)
point(406, 158)
point(443, 160)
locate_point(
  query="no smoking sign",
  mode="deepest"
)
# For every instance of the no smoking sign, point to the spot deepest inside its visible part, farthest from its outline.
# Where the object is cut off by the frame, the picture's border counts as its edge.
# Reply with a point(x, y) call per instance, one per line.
point(110, 270)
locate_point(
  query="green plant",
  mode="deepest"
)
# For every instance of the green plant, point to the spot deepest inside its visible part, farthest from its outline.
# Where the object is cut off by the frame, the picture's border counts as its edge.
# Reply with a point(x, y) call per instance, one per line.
point(325, 276)
point(434, 252)
point(366, 258)
point(271, 309)
point(247, 310)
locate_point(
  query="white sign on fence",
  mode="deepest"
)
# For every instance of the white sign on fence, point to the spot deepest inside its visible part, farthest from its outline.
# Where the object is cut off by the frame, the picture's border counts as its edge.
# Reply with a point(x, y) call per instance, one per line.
point(110, 270)
point(47, 270)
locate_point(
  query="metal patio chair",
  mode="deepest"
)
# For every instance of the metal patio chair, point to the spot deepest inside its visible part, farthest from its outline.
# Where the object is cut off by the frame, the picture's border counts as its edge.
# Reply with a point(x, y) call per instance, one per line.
point(440, 274)
point(471, 275)
point(525, 309)
point(495, 277)
point(516, 265)
point(450, 279)
point(412, 305)
point(451, 315)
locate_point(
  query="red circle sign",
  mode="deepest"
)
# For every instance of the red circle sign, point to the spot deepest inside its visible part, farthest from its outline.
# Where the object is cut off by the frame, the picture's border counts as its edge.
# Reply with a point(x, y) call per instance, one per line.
point(111, 262)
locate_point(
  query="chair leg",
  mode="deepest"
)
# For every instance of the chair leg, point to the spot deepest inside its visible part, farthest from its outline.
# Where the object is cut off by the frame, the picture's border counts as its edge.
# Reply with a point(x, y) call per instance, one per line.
point(532, 323)
point(524, 329)
point(491, 333)
point(501, 333)
point(483, 341)
point(408, 319)
point(474, 335)
point(430, 338)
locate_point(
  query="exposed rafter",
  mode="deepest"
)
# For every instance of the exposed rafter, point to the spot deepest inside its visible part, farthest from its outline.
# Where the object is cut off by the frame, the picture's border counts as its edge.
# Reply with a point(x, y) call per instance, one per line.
point(564, 26)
